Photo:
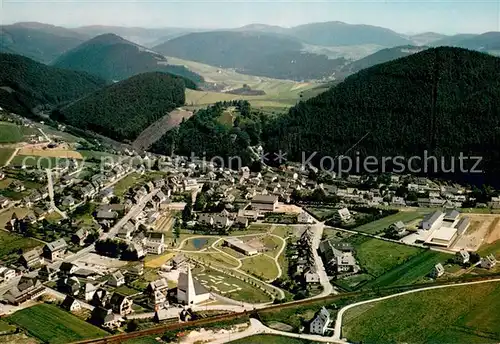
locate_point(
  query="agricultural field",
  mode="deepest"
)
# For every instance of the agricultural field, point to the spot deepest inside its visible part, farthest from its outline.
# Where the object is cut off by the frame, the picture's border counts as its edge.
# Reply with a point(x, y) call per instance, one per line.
point(51, 324)
point(5, 154)
point(377, 257)
point(461, 314)
point(38, 161)
point(10, 133)
point(260, 266)
point(55, 153)
point(413, 271)
point(378, 226)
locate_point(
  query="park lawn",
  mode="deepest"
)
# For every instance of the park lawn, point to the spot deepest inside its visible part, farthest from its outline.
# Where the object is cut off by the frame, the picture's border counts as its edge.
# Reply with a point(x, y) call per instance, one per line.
point(51, 324)
point(260, 266)
point(283, 231)
point(378, 226)
point(462, 314)
point(270, 338)
point(9, 133)
point(215, 258)
point(412, 271)
point(5, 154)
point(257, 228)
point(273, 245)
point(377, 257)
point(247, 292)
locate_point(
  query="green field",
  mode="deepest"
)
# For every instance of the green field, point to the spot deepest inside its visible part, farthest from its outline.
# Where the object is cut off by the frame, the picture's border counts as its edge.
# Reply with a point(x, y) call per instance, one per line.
point(269, 338)
point(10, 133)
point(377, 257)
point(51, 324)
point(122, 186)
point(5, 154)
point(260, 266)
point(10, 244)
point(413, 271)
point(378, 226)
point(465, 314)
point(38, 161)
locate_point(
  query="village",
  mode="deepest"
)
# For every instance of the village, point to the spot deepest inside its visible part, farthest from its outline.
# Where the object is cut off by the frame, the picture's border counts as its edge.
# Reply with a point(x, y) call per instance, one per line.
point(121, 238)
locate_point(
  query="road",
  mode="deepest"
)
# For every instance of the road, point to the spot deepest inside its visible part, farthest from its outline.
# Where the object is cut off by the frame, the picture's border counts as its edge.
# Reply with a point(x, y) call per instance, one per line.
point(338, 322)
point(328, 289)
point(134, 211)
point(51, 194)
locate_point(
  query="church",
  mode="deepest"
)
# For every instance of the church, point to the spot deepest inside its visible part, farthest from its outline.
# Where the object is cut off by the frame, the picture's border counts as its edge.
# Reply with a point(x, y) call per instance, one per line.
point(189, 291)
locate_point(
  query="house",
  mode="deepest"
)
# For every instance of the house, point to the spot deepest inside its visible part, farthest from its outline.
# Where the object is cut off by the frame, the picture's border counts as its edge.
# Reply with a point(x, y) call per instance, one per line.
point(68, 201)
point(241, 222)
point(136, 270)
point(206, 219)
point(138, 249)
point(437, 271)
point(89, 291)
point(344, 215)
point(155, 243)
point(6, 274)
point(78, 238)
point(99, 299)
point(238, 245)
point(66, 269)
point(4, 201)
point(189, 290)
point(160, 285)
point(125, 232)
point(304, 217)
point(488, 262)
point(31, 259)
point(310, 274)
point(264, 202)
point(462, 257)
point(116, 279)
point(72, 285)
point(120, 304)
point(71, 304)
point(104, 318)
point(398, 227)
point(179, 261)
point(320, 322)
point(338, 259)
point(55, 250)
point(158, 300)
point(26, 289)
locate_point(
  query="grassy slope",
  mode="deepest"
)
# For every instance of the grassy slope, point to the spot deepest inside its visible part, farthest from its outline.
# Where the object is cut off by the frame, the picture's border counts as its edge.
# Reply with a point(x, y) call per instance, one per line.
point(466, 314)
point(51, 324)
point(9, 133)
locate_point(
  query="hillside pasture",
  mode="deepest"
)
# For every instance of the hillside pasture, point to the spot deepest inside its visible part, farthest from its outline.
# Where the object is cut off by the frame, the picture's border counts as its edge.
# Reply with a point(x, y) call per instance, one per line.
point(10, 133)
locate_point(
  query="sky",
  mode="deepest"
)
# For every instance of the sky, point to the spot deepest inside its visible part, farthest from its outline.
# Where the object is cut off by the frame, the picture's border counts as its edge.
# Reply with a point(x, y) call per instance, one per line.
point(404, 16)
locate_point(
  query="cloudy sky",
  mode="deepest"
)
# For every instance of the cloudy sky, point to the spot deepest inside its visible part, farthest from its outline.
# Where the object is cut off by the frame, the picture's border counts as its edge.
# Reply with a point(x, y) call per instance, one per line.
point(406, 16)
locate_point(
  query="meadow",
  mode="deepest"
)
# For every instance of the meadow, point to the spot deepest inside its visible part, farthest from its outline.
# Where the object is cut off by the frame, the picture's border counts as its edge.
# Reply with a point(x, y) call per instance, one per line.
point(5, 154)
point(260, 266)
point(378, 226)
point(10, 133)
point(461, 314)
point(51, 324)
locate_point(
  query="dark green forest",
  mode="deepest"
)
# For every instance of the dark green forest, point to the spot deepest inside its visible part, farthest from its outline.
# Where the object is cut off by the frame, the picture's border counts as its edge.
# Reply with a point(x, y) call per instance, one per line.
point(114, 58)
point(27, 83)
point(205, 135)
point(444, 100)
point(121, 111)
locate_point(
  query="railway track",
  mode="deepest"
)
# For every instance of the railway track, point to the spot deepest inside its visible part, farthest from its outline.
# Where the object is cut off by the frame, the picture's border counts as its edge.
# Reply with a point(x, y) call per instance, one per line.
point(119, 338)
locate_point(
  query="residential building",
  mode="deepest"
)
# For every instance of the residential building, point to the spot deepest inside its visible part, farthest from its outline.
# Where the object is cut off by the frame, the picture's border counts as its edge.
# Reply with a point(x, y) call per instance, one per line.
point(120, 304)
point(26, 289)
point(304, 217)
point(344, 215)
point(155, 243)
point(126, 231)
point(179, 261)
point(437, 271)
point(31, 259)
point(89, 291)
point(462, 257)
point(320, 322)
point(71, 304)
point(78, 238)
point(338, 259)
point(116, 279)
point(55, 250)
point(488, 262)
point(104, 318)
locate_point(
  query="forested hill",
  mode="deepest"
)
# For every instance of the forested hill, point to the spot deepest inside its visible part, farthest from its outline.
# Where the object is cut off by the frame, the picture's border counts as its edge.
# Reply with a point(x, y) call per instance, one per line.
point(123, 110)
point(114, 58)
point(444, 100)
point(26, 83)
point(381, 56)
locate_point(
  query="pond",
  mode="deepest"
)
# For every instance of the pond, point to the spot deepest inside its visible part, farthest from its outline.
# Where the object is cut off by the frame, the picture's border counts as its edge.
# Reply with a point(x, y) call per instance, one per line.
point(198, 243)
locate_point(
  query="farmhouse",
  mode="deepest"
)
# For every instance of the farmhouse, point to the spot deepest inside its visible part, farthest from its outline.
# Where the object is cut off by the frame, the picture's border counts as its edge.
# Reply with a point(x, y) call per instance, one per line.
point(238, 245)
point(320, 322)
point(116, 279)
point(265, 202)
point(437, 271)
point(31, 259)
point(190, 291)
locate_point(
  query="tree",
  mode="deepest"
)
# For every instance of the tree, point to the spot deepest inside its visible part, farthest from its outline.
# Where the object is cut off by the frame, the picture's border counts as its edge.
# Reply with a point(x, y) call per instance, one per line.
point(132, 325)
point(187, 212)
point(201, 202)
